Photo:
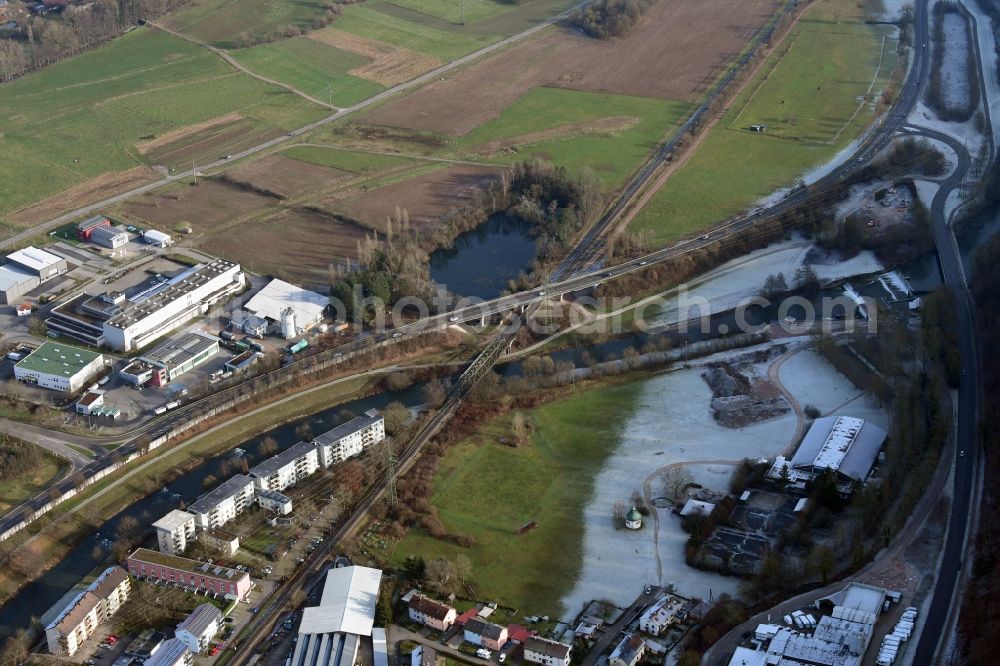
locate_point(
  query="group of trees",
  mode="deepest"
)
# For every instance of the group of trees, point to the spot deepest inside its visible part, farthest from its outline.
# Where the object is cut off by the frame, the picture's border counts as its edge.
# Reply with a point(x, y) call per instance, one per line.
point(44, 40)
point(440, 575)
point(17, 458)
point(606, 19)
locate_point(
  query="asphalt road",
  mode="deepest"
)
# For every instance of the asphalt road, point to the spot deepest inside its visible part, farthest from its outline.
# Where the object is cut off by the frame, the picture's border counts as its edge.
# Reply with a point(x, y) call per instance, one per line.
point(77, 213)
point(941, 609)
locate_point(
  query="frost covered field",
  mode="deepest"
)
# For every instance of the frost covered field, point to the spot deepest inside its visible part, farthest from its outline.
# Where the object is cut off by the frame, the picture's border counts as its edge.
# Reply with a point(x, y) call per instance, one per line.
point(740, 279)
point(672, 423)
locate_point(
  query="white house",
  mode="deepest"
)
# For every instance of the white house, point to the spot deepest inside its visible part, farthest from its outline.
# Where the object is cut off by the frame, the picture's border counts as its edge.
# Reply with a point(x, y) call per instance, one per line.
point(431, 613)
point(661, 615)
point(351, 438)
point(198, 628)
point(272, 500)
point(174, 531)
point(59, 367)
point(286, 468)
point(628, 652)
point(219, 506)
point(538, 650)
point(172, 653)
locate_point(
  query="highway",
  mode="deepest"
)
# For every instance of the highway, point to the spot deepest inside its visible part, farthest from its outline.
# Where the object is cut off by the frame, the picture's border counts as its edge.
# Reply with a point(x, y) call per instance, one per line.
point(941, 611)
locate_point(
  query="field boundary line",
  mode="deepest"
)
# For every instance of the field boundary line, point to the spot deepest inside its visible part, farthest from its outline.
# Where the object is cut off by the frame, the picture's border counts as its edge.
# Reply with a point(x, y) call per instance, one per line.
point(240, 66)
point(763, 80)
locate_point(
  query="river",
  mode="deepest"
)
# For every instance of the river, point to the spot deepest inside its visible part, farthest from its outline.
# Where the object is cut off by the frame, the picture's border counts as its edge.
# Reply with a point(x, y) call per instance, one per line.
point(37, 597)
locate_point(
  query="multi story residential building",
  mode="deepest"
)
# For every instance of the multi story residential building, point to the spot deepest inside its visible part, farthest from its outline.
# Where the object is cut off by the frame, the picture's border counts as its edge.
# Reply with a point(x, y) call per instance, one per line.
point(151, 565)
point(485, 634)
point(271, 500)
point(198, 628)
point(172, 653)
point(174, 531)
point(431, 613)
point(351, 438)
point(79, 620)
point(219, 506)
point(540, 650)
point(286, 468)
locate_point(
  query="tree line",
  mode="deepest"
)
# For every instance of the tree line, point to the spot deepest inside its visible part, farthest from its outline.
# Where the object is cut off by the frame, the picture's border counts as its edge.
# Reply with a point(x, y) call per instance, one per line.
point(607, 19)
point(17, 458)
point(40, 41)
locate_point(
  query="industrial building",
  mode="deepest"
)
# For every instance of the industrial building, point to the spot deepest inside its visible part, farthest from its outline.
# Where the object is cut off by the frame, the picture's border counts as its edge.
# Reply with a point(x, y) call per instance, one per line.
point(286, 468)
point(538, 650)
point(175, 357)
point(40, 263)
point(108, 236)
point(181, 298)
point(89, 402)
point(217, 507)
point(329, 634)
point(79, 619)
point(156, 238)
point(242, 362)
point(845, 445)
point(271, 500)
point(172, 653)
point(197, 629)
point(351, 438)
point(59, 367)
point(293, 309)
point(840, 638)
point(151, 565)
point(174, 531)
point(26, 269)
point(85, 229)
point(82, 317)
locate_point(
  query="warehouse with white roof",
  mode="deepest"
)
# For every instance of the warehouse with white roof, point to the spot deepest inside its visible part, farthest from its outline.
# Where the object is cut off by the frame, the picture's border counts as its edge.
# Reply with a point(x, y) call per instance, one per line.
point(846, 445)
point(293, 308)
point(26, 269)
point(329, 634)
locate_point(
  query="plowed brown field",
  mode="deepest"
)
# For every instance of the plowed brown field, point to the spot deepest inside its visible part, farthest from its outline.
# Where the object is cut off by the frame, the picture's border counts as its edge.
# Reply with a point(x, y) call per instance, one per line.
point(425, 198)
point(678, 49)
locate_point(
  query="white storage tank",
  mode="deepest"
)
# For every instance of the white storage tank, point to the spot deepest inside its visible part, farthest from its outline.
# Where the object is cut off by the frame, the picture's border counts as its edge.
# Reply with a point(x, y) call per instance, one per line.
point(288, 323)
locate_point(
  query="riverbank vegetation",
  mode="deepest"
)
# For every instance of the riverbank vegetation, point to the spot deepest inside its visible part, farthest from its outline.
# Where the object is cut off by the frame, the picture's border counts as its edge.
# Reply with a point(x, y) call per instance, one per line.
point(24, 470)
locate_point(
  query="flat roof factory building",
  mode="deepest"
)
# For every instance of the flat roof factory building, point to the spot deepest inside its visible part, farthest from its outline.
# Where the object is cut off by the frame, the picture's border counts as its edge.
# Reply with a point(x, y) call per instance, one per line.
point(180, 299)
point(175, 357)
point(59, 367)
point(26, 269)
point(846, 445)
point(293, 308)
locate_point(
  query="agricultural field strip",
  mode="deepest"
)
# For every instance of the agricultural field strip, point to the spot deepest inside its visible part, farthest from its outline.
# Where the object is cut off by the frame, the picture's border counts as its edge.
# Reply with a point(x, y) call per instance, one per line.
point(386, 94)
point(234, 62)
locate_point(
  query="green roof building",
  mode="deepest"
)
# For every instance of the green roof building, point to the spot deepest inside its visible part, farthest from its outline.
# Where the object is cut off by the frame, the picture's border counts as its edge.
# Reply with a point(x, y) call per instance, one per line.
point(59, 367)
point(633, 519)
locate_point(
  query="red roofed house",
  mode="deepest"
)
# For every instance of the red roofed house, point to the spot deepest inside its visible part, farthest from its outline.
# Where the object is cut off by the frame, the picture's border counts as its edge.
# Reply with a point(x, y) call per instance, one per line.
point(467, 615)
point(518, 633)
point(431, 613)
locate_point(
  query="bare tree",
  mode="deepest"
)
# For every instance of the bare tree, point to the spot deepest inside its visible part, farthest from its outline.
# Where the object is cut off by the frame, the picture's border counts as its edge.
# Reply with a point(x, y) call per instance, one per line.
point(675, 479)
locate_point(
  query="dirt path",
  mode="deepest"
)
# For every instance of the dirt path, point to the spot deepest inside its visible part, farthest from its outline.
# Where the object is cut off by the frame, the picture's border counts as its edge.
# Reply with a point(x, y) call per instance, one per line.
point(773, 374)
point(647, 496)
point(411, 156)
point(237, 65)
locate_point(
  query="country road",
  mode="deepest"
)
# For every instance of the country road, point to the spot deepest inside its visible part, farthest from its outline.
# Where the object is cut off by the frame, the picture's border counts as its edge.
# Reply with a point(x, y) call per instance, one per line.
point(77, 213)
